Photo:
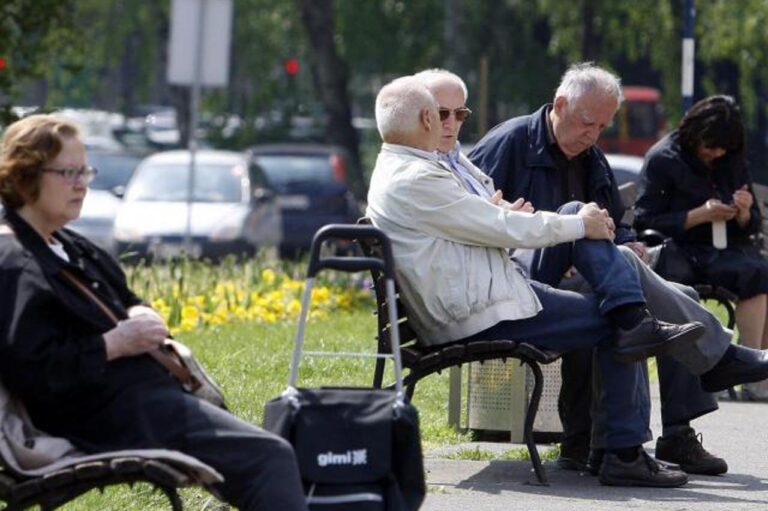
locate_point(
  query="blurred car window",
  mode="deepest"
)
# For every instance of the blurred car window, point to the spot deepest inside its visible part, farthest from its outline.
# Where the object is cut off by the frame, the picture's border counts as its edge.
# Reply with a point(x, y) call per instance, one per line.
point(168, 182)
point(115, 169)
point(285, 169)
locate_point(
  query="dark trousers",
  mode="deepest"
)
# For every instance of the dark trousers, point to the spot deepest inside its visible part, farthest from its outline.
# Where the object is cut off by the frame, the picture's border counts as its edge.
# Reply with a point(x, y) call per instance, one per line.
point(259, 468)
point(682, 398)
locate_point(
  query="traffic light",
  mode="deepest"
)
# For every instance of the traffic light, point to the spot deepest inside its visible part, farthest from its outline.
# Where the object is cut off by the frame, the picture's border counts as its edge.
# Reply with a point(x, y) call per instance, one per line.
point(291, 66)
point(3, 63)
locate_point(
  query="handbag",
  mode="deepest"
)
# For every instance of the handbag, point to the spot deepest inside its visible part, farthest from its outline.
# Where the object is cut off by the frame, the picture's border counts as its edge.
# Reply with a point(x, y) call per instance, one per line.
point(674, 264)
point(176, 357)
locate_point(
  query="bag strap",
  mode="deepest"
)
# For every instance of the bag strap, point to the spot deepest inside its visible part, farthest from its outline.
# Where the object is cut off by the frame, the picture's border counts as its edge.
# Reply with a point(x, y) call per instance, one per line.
point(162, 355)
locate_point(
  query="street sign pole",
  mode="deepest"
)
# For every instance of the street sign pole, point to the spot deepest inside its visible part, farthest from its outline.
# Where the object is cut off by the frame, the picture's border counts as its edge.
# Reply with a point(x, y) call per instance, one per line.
point(194, 105)
point(206, 27)
point(689, 52)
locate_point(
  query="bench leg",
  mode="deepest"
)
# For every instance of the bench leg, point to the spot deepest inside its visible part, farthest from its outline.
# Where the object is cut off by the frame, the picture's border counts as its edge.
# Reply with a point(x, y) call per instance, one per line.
point(173, 498)
point(530, 417)
point(378, 373)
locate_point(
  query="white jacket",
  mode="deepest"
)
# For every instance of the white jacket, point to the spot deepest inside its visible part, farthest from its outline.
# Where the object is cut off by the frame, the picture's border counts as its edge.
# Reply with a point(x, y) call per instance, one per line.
point(450, 246)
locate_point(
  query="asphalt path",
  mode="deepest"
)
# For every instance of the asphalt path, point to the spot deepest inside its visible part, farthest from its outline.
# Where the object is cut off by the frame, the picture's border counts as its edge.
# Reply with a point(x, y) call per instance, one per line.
point(737, 432)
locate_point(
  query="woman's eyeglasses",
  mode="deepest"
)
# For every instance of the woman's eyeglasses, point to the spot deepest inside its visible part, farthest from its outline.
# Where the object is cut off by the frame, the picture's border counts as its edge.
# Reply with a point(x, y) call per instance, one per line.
point(461, 114)
point(83, 174)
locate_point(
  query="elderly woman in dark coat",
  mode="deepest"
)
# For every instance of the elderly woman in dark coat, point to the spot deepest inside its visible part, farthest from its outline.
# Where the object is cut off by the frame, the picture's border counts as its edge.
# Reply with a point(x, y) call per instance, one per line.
point(80, 375)
point(695, 176)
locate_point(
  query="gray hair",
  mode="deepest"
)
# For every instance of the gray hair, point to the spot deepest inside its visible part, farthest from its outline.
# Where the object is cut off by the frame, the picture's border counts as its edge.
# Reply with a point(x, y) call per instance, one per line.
point(399, 105)
point(436, 76)
point(587, 77)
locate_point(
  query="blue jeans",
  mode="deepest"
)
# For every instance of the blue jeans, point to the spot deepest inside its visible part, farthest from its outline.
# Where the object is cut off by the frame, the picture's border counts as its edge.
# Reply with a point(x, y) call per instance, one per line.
point(573, 321)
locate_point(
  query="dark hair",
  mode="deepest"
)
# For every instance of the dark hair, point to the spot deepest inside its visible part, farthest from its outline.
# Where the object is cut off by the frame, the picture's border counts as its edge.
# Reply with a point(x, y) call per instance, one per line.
point(28, 144)
point(713, 122)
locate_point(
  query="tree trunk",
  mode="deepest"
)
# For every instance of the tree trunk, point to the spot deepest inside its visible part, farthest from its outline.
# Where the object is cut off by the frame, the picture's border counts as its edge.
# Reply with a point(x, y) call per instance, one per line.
point(590, 40)
point(329, 74)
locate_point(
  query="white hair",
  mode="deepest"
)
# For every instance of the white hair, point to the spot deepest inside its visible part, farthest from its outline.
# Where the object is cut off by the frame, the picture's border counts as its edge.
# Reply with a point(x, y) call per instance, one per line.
point(434, 77)
point(399, 105)
point(586, 77)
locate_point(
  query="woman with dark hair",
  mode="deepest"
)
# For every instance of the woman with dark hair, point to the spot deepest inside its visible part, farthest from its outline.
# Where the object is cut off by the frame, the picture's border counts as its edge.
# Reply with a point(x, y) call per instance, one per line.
point(694, 182)
point(80, 375)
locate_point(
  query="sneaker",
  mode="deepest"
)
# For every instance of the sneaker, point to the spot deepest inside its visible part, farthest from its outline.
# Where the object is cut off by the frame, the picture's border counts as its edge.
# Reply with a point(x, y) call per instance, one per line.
point(643, 471)
point(686, 450)
point(652, 337)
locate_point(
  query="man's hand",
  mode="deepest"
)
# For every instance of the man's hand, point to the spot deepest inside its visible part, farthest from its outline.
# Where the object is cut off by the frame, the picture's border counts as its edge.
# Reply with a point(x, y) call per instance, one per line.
point(598, 224)
point(519, 205)
point(134, 336)
point(639, 249)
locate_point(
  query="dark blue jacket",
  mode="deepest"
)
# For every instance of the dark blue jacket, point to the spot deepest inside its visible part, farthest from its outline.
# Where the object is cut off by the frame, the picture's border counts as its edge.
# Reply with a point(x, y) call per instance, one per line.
point(516, 154)
point(674, 182)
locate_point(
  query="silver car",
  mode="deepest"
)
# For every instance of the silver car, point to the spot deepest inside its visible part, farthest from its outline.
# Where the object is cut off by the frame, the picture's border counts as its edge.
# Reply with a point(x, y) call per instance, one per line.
point(232, 211)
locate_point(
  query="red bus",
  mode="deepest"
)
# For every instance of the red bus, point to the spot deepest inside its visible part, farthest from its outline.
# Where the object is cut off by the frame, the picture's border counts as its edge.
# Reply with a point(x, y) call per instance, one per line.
point(639, 123)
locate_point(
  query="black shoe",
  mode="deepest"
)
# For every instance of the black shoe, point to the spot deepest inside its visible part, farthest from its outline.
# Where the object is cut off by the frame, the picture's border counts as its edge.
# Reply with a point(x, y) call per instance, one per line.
point(653, 337)
point(643, 471)
point(573, 457)
point(745, 365)
point(686, 450)
point(595, 461)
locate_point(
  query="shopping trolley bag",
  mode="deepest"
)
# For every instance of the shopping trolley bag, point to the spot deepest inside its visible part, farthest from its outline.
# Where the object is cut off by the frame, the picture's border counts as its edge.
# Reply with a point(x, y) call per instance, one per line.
point(358, 449)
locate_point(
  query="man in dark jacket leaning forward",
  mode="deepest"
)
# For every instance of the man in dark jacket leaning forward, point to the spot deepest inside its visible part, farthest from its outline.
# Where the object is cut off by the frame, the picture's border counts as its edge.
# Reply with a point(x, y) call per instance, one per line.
point(549, 158)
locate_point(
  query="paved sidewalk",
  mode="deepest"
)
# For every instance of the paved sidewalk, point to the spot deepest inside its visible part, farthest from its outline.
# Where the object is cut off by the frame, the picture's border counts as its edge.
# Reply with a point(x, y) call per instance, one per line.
point(737, 432)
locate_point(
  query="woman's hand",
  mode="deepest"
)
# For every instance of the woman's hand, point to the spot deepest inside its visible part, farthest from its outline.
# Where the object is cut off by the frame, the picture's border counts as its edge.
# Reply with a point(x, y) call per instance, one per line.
point(743, 200)
point(134, 336)
point(711, 211)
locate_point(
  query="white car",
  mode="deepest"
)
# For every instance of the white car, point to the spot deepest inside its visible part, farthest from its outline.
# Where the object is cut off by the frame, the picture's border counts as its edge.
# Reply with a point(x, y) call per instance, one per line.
point(97, 217)
point(233, 209)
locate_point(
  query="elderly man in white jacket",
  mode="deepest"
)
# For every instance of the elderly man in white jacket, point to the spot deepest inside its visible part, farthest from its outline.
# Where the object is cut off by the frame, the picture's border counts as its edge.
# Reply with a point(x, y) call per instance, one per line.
point(457, 282)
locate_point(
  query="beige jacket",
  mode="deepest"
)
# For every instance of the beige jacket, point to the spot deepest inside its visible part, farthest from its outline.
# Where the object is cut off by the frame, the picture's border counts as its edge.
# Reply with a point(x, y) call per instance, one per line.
point(450, 246)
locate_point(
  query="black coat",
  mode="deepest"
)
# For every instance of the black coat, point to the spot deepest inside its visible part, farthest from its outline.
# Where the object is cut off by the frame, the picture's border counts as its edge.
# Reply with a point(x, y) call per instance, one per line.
point(52, 353)
point(674, 182)
point(517, 155)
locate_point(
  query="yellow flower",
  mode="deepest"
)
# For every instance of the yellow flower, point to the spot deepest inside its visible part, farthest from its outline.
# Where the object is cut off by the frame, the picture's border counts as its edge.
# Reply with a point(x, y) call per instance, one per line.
point(268, 276)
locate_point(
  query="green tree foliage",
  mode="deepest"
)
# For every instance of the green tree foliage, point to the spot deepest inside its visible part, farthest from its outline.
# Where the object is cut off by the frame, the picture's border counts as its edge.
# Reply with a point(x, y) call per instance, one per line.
point(31, 32)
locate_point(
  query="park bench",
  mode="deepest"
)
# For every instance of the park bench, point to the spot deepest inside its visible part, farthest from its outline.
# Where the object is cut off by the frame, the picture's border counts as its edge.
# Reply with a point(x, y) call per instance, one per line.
point(50, 485)
point(420, 361)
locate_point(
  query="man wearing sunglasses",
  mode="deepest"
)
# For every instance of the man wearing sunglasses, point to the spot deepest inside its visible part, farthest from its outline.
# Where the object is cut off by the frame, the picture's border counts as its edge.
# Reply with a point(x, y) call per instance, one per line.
point(550, 158)
point(450, 246)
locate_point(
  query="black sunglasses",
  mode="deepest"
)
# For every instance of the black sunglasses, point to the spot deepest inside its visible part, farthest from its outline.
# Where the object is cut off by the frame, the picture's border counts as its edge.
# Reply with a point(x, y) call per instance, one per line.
point(461, 114)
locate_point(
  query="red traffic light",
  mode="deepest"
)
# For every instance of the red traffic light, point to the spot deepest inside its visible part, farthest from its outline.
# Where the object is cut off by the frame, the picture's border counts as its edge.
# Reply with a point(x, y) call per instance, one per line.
point(291, 66)
point(3, 63)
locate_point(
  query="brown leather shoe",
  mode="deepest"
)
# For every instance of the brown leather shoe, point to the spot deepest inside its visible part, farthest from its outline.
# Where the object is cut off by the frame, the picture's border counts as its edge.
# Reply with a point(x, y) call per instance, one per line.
point(686, 450)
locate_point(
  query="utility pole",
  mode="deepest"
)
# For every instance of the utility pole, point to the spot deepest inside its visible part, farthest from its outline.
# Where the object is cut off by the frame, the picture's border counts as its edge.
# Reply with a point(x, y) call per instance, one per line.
point(689, 52)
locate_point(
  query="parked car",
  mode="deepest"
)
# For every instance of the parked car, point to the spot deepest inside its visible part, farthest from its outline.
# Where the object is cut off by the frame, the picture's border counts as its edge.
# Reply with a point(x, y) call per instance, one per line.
point(233, 209)
point(97, 218)
point(312, 187)
point(626, 167)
